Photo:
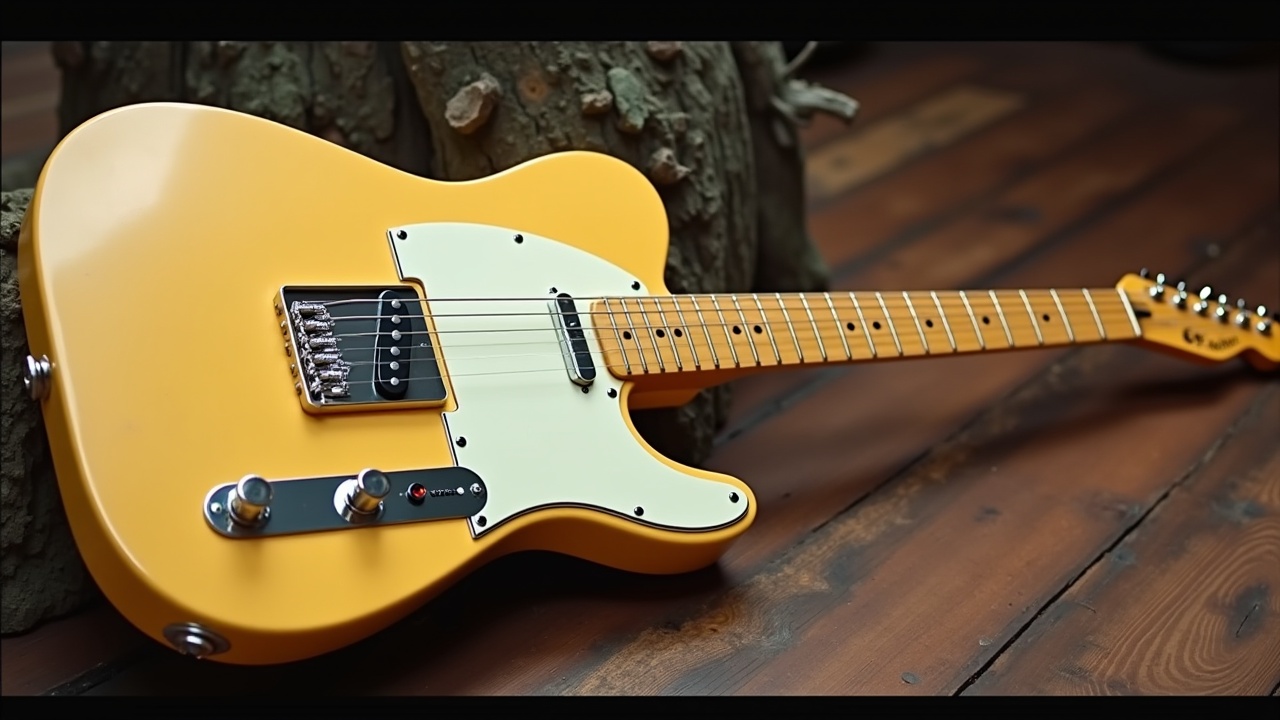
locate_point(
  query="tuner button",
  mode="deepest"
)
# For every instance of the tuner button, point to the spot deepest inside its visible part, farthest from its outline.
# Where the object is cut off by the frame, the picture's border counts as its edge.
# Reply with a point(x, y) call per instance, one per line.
point(1159, 278)
point(1206, 292)
point(371, 486)
point(249, 501)
point(1200, 307)
point(1242, 318)
point(1144, 273)
point(1221, 313)
point(1182, 286)
point(1262, 312)
point(1222, 299)
point(1240, 304)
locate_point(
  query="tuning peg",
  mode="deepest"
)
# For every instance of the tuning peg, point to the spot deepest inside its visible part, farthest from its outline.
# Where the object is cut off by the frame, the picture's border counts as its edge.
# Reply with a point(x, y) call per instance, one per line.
point(1264, 322)
point(1180, 299)
point(1222, 299)
point(1144, 273)
point(1206, 292)
point(1157, 290)
point(1240, 304)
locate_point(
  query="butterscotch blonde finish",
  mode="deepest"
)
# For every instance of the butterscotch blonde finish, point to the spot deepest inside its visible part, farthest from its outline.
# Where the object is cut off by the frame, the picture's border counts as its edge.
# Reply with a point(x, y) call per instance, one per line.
point(156, 241)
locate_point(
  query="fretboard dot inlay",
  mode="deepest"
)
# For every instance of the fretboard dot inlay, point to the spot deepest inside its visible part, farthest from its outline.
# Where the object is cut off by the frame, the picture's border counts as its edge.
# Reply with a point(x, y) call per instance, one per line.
point(737, 330)
point(986, 320)
point(876, 324)
point(758, 329)
point(677, 332)
point(659, 333)
point(1045, 317)
point(928, 323)
point(851, 326)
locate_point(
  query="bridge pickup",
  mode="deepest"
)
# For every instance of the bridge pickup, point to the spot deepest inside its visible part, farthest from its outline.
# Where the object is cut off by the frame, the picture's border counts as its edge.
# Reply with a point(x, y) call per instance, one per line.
point(354, 347)
point(573, 342)
point(393, 346)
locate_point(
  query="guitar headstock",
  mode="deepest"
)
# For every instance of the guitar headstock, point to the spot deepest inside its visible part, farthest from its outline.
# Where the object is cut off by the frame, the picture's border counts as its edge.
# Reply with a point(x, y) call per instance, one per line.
point(1203, 325)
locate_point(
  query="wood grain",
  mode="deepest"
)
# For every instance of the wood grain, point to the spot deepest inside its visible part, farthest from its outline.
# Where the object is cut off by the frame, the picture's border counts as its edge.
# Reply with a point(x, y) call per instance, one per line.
point(963, 548)
point(917, 518)
point(1186, 604)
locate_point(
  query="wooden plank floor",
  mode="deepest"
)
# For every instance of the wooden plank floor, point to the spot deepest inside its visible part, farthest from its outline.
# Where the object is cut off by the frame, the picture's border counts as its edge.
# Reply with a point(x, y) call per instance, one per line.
point(1092, 520)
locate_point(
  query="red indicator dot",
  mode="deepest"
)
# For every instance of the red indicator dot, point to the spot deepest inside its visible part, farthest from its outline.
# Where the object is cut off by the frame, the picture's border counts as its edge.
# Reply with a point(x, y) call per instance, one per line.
point(417, 493)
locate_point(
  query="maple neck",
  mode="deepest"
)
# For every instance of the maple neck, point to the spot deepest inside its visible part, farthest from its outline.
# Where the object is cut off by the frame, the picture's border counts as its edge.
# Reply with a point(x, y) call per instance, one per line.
point(699, 333)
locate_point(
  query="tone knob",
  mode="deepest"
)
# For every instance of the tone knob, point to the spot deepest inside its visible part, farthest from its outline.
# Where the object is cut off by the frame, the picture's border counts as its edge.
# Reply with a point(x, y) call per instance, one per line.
point(371, 487)
point(249, 501)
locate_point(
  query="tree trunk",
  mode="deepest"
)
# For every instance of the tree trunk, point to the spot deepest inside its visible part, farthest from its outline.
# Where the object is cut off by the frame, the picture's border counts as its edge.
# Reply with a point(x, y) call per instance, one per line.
point(697, 118)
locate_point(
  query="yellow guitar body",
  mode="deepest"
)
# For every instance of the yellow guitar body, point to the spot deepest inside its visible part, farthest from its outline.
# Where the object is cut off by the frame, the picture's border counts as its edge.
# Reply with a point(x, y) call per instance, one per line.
point(158, 238)
point(292, 393)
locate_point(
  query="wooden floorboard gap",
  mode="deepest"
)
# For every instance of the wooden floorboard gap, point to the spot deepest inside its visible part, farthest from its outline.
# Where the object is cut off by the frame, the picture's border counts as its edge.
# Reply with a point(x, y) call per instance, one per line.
point(1255, 407)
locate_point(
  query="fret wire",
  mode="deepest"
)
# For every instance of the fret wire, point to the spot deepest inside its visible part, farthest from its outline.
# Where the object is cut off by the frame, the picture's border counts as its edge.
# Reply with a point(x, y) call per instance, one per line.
point(715, 360)
point(626, 363)
point(1000, 312)
point(1137, 331)
point(653, 338)
point(1071, 336)
point(865, 332)
point(644, 365)
point(839, 325)
point(764, 321)
point(892, 331)
point(1093, 308)
point(670, 335)
point(688, 336)
point(746, 328)
point(1035, 324)
point(786, 317)
point(728, 338)
point(943, 316)
point(817, 335)
point(982, 343)
point(911, 306)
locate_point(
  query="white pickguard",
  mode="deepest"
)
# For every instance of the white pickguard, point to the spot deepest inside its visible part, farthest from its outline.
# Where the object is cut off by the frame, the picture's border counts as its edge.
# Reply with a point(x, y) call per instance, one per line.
point(534, 437)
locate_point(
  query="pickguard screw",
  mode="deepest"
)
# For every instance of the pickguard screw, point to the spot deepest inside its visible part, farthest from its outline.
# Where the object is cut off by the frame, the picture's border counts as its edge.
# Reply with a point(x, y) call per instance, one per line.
point(519, 239)
point(586, 389)
point(733, 497)
point(462, 442)
point(216, 508)
point(402, 234)
point(635, 285)
point(554, 291)
point(613, 393)
point(481, 521)
point(639, 511)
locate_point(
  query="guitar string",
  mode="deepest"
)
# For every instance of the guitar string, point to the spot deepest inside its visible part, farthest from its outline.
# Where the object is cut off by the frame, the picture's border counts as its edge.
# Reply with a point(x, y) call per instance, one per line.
point(560, 368)
point(600, 354)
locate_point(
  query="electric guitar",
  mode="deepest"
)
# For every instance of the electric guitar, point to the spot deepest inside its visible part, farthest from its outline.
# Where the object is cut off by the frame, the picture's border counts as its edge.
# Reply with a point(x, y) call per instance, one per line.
point(291, 393)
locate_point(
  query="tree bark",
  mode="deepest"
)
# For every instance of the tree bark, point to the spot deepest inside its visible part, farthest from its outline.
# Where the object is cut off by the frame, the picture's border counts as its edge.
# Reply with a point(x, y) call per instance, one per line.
point(698, 118)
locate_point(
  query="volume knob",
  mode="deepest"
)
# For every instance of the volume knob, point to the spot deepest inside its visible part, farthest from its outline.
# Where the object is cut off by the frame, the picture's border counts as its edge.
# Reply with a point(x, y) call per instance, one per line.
point(371, 487)
point(249, 501)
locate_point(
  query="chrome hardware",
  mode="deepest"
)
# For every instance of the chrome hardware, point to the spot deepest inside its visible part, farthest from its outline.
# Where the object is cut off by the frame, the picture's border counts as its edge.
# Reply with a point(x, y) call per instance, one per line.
point(195, 640)
point(1206, 292)
point(371, 487)
point(1157, 290)
point(1264, 322)
point(35, 376)
point(322, 504)
point(1144, 273)
point(1200, 307)
point(249, 501)
point(1221, 313)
